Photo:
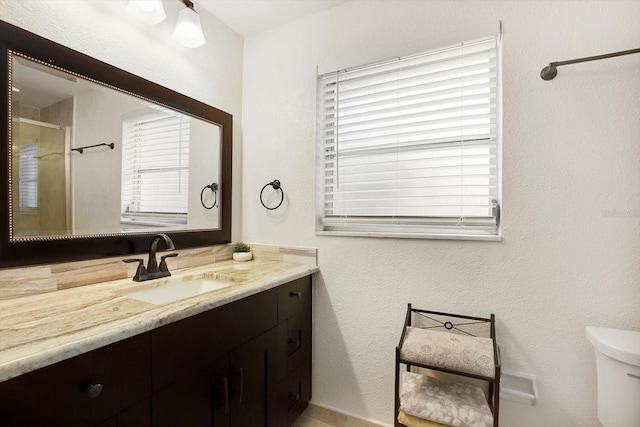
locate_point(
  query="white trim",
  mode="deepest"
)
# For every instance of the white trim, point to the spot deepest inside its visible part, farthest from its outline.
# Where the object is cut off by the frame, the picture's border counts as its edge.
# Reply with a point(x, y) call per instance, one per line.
point(409, 47)
point(425, 236)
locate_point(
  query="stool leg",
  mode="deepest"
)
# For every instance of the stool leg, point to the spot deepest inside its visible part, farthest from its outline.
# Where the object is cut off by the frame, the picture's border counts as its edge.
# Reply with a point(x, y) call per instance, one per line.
point(496, 402)
point(397, 394)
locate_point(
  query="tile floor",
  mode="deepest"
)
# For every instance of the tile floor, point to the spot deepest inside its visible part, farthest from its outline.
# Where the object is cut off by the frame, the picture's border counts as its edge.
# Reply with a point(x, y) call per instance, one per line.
point(316, 416)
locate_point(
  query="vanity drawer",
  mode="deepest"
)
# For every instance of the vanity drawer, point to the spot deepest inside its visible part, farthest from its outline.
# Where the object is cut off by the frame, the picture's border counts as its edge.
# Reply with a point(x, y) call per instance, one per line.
point(184, 346)
point(293, 298)
point(294, 343)
point(298, 340)
point(58, 395)
point(294, 395)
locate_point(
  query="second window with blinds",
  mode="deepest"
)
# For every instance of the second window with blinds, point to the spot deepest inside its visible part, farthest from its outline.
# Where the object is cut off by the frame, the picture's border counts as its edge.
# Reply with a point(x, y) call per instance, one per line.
point(155, 169)
point(410, 147)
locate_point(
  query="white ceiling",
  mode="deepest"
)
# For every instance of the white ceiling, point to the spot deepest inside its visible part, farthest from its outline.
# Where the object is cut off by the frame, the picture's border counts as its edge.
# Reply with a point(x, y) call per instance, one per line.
point(248, 17)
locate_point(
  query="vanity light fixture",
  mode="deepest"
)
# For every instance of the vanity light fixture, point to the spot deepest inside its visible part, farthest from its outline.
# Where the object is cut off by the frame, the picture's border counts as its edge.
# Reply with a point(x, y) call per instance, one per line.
point(188, 31)
point(150, 12)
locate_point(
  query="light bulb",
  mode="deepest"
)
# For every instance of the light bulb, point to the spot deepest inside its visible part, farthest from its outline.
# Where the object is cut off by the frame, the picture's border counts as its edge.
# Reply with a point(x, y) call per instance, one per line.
point(147, 5)
point(148, 11)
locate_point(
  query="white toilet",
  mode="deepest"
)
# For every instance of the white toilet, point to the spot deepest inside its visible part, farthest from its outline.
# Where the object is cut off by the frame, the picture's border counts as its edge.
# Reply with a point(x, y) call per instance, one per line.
point(618, 366)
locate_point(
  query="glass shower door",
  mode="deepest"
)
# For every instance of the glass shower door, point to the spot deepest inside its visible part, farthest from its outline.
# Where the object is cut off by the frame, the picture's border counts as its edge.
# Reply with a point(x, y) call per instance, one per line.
point(40, 179)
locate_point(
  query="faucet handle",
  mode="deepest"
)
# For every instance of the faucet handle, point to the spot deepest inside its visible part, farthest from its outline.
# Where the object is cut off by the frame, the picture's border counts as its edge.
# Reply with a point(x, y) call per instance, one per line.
point(141, 272)
point(163, 262)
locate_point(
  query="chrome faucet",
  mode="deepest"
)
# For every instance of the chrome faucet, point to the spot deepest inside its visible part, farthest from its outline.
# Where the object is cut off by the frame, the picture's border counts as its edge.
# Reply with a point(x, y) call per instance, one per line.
point(153, 271)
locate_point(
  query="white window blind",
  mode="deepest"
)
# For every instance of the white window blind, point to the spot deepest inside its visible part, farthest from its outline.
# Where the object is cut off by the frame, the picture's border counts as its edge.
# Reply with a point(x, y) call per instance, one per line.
point(155, 168)
point(410, 146)
point(28, 177)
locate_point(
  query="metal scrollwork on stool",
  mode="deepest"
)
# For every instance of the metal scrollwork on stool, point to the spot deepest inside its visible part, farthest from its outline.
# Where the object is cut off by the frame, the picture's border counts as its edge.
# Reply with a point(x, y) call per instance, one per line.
point(214, 189)
point(276, 186)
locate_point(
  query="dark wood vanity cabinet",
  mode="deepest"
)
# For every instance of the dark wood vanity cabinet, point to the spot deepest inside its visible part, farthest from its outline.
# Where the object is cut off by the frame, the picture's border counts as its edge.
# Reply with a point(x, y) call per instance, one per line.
point(82, 391)
point(244, 364)
point(247, 363)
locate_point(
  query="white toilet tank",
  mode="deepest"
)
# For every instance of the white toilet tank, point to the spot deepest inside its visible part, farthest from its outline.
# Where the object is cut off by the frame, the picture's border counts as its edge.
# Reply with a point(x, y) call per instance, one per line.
point(618, 367)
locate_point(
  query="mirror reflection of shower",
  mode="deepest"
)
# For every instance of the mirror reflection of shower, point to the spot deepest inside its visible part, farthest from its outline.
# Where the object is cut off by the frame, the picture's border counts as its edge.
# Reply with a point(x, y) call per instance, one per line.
point(40, 159)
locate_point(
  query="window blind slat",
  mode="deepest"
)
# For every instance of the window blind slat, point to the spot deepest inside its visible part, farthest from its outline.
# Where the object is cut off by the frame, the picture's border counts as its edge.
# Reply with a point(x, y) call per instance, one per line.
point(402, 121)
point(388, 107)
point(452, 132)
point(426, 146)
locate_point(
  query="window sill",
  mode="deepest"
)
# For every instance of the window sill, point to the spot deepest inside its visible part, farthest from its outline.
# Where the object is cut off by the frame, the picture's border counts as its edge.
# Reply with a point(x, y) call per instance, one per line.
point(487, 238)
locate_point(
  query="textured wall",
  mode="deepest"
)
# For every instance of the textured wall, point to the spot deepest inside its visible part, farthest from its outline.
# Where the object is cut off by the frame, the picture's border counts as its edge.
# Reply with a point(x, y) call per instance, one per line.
point(570, 256)
point(103, 29)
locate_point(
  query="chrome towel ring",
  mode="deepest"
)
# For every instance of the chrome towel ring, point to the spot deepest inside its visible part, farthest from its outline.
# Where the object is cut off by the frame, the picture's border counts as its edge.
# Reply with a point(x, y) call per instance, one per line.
point(214, 189)
point(276, 186)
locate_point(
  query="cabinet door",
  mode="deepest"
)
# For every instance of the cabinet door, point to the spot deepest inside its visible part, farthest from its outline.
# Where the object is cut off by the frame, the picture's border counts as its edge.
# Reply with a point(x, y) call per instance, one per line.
point(197, 400)
point(182, 347)
point(254, 388)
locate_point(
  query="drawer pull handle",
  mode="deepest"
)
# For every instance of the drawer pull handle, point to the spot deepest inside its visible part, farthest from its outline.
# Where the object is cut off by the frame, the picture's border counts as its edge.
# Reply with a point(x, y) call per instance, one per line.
point(222, 400)
point(295, 294)
point(296, 342)
point(226, 395)
point(295, 396)
point(238, 394)
point(94, 390)
point(629, 374)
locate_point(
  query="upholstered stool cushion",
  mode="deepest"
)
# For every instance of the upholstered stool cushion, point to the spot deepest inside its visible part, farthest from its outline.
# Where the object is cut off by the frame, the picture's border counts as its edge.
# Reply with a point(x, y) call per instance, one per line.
point(445, 402)
point(465, 353)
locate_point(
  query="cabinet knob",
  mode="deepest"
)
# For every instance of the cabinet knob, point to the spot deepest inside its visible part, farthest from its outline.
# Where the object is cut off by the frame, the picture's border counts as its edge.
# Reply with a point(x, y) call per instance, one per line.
point(295, 294)
point(94, 390)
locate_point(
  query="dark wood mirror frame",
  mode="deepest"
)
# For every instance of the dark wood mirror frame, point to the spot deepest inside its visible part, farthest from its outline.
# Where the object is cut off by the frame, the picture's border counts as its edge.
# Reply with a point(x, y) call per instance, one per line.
point(64, 249)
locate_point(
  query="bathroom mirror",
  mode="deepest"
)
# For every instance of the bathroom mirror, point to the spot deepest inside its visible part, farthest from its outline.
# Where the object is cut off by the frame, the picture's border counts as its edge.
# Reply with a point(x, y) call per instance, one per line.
point(98, 160)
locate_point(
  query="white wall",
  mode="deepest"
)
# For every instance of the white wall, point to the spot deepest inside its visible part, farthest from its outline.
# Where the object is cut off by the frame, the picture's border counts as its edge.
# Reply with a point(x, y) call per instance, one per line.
point(571, 157)
point(96, 173)
point(102, 29)
point(204, 146)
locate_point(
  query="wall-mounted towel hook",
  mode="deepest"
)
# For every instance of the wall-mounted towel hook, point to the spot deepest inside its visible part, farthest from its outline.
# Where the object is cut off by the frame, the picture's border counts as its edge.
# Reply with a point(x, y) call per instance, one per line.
point(214, 189)
point(81, 149)
point(276, 186)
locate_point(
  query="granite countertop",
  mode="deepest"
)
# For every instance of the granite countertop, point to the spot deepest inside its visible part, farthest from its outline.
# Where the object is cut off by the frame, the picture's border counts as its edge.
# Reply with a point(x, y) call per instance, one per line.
point(40, 330)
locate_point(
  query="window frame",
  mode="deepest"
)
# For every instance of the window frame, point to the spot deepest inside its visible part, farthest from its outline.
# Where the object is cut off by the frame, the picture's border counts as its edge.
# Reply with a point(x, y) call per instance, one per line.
point(422, 227)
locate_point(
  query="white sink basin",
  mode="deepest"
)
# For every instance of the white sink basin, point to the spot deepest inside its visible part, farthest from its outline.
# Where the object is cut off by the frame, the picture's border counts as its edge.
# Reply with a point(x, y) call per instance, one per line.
point(177, 291)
